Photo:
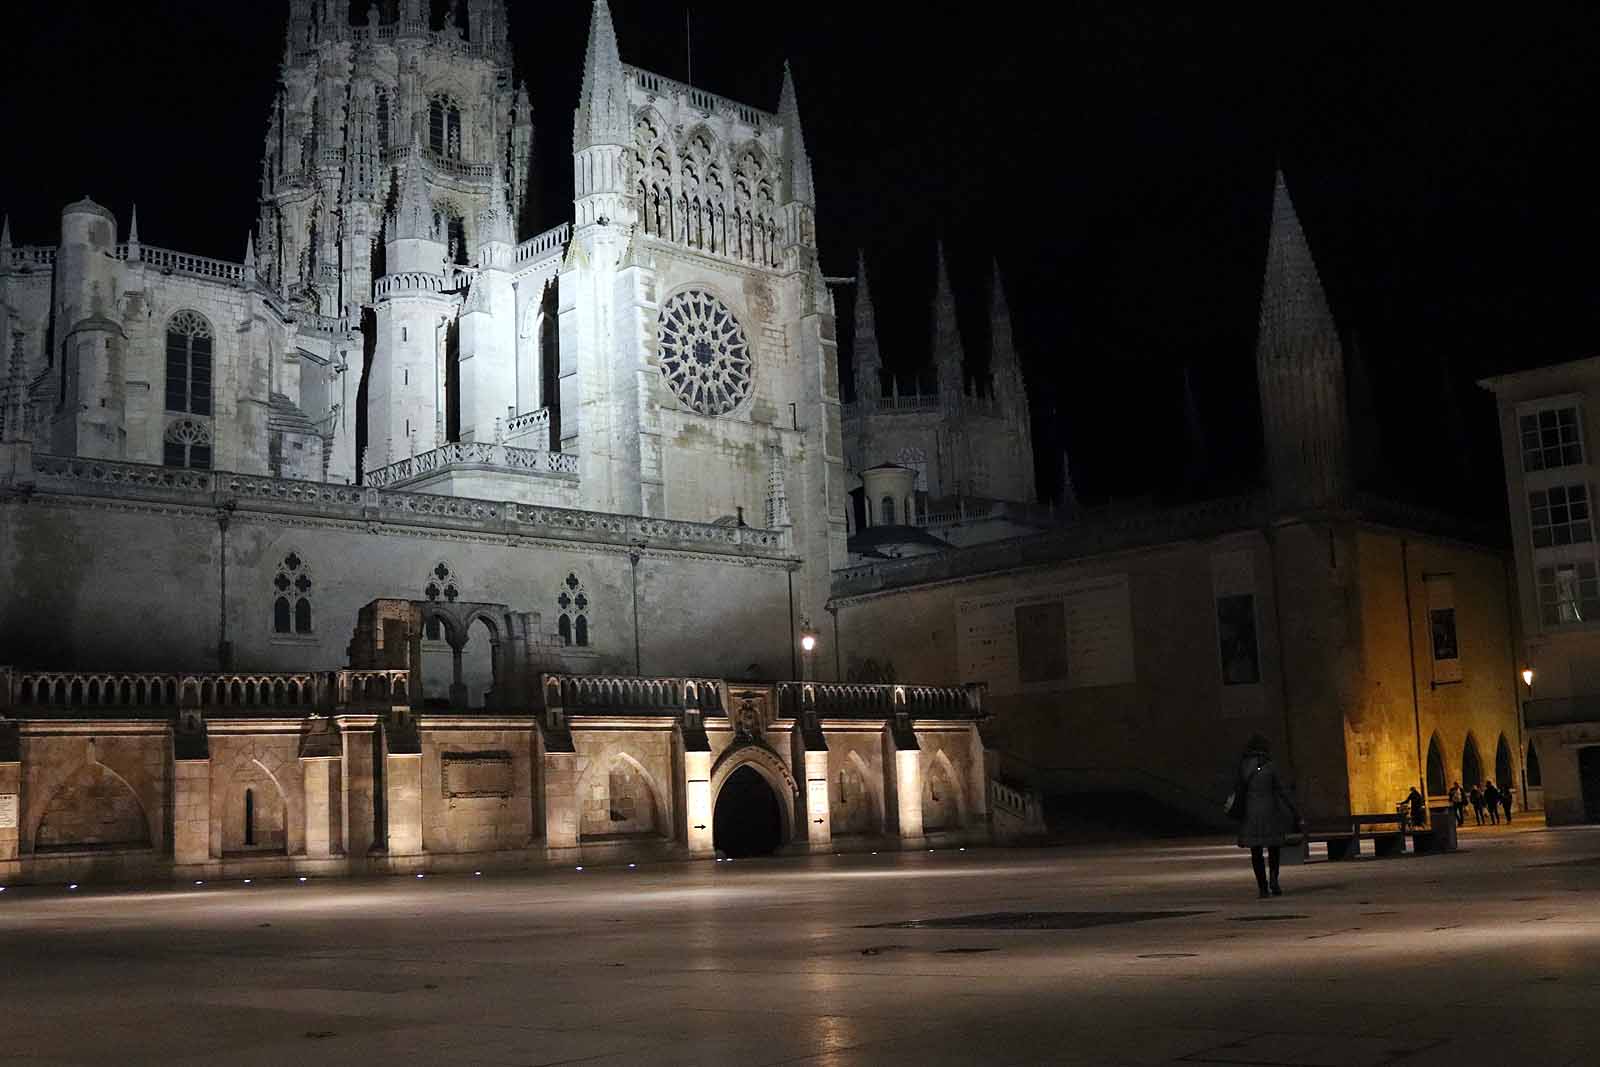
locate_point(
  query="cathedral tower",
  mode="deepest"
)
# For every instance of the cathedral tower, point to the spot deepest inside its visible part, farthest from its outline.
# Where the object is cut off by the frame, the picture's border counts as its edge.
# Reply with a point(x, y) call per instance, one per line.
point(1300, 372)
point(350, 101)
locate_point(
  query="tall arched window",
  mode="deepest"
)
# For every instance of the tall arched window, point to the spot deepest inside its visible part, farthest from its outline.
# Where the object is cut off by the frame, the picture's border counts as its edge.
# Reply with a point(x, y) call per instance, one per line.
point(249, 816)
point(444, 126)
point(189, 349)
point(573, 625)
point(1502, 762)
point(291, 604)
point(886, 511)
point(1534, 776)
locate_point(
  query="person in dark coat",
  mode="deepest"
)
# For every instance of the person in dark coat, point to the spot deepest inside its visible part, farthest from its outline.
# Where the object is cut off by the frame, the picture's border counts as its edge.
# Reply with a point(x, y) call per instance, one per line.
point(1269, 814)
point(1505, 801)
point(1417, 807)
point(1491, 800)
point(1477, 804)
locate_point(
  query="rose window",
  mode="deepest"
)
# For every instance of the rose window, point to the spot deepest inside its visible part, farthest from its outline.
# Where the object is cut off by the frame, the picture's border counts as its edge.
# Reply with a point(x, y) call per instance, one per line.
point(704, 354)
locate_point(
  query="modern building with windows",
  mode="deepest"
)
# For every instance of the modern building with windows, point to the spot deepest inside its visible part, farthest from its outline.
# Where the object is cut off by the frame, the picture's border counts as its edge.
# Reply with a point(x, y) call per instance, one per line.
point(1548, 436)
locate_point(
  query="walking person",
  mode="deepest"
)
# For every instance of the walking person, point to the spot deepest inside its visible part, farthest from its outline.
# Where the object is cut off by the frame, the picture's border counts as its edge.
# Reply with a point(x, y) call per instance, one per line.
point(1458, 803)
point(1477, 804)
point(1268, 812)
point(1491, 798)
point(1505, 801)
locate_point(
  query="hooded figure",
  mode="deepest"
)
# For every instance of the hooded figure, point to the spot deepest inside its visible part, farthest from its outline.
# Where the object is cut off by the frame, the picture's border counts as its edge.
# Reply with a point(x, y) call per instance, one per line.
point(1269, 813)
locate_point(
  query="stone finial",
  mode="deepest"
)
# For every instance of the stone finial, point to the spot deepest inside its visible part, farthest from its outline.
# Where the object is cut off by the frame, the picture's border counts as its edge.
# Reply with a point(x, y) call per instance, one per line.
point(1299, 370)
point(796, 163)
point(413, 211)
point(249, 257)
point(494, 218)
point(602, 115)
point(777, 493)
point(133, 226)
point(5, 241)
point(948, 355)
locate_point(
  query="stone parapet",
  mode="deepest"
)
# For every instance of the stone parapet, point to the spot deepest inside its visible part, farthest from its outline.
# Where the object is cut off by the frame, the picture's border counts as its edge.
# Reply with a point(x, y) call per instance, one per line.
point(71, 476)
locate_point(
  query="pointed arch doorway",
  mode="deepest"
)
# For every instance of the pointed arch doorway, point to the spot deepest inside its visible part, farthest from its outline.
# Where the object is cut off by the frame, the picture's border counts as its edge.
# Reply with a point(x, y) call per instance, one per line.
point(748, 819)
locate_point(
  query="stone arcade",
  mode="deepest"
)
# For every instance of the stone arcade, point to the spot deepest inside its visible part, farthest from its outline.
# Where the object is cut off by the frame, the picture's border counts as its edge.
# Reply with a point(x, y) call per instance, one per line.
point(119, 775)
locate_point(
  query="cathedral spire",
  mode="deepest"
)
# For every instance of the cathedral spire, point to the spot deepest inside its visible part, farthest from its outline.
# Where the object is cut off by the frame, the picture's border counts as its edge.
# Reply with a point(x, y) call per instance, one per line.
point(796, 163)
point(949, 358)
point(5, 242)
point(1004, 368)
point(1299, 370)
point(868, 361)
point(133, 226)
point(602, 115)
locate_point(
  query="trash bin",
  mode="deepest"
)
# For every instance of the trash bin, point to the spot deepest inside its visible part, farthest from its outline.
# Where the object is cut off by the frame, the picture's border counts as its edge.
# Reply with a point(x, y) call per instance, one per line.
point(1440, 834)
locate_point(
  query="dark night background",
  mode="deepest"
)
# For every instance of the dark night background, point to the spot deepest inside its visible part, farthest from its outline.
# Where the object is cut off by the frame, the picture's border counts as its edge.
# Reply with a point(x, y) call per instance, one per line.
point(1117, 162)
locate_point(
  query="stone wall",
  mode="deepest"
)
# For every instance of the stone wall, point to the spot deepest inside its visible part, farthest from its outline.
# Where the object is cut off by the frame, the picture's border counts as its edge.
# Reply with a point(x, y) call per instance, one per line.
point(151, 542)
point(1331, 686)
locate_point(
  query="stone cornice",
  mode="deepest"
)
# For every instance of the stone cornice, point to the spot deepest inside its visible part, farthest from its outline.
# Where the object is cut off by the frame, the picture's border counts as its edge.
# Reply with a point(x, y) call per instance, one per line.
point(165, 489)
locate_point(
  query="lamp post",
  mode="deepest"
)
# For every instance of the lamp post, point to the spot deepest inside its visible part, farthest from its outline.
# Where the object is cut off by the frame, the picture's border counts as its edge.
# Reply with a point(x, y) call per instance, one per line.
point(1522, 741)
point(808, 645)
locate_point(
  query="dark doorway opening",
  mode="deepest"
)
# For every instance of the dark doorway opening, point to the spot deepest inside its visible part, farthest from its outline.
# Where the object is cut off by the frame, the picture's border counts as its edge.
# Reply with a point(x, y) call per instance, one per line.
point(748, 820)
point(1589, 779)
point(1471, 764)
point(1502, 764)
point(1436, 784)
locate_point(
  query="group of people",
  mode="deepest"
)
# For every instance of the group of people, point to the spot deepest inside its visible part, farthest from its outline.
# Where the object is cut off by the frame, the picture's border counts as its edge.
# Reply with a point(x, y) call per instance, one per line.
point(1480, 797)
point(1268, 817)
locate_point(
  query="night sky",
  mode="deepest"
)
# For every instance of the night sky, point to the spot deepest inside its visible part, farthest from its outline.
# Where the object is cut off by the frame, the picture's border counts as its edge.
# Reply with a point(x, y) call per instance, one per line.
point(1118, 165)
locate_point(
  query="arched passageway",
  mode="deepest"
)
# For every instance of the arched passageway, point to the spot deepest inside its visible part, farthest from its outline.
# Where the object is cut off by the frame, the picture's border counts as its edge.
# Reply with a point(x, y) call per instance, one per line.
point(748, 820)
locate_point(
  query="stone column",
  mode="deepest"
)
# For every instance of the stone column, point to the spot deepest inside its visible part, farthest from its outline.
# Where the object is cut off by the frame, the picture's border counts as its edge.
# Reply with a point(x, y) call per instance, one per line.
point(191, 811)
point(322, 816)
point(819, 825)
point(403, 802)
point(560, 802)
point(10, 803)
point(697, 803)
point(908, 793)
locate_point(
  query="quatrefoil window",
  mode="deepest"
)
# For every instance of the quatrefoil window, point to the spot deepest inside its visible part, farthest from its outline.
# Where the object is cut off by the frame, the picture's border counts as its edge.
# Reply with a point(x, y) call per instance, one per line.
point(704, 354)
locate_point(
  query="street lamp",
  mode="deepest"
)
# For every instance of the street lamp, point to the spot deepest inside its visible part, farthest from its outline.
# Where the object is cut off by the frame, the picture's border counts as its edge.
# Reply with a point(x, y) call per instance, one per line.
point(1527, 678)
point(808, 645)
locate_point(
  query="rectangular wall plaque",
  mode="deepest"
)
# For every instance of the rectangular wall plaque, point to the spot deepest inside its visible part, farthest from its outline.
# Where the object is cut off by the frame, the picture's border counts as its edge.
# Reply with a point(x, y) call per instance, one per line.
point(477, 774)
point(8, 811)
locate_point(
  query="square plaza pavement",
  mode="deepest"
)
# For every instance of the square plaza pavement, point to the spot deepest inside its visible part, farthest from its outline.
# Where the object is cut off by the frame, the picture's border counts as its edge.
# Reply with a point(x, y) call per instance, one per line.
point(1490, 955)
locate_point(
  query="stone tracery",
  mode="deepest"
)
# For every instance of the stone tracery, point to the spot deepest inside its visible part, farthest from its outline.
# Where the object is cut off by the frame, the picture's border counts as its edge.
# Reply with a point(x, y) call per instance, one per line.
point(705, 356)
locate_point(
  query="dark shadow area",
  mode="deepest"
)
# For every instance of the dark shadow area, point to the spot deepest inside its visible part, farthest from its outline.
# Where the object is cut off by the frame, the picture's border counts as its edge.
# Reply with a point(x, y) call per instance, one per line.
point(1114, 815)
point(748, 820)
